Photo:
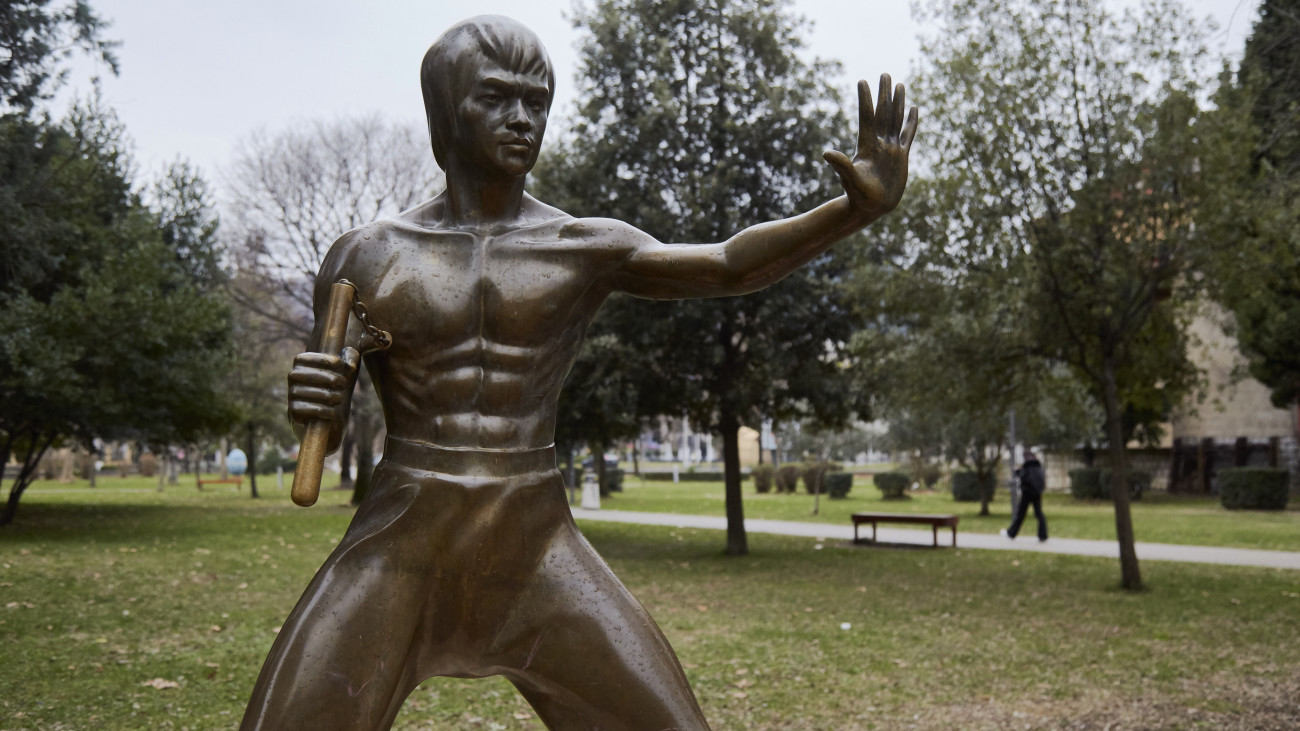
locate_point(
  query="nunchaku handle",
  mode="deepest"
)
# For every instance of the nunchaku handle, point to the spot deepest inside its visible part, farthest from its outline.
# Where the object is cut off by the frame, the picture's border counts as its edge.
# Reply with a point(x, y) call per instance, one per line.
point(315, 441)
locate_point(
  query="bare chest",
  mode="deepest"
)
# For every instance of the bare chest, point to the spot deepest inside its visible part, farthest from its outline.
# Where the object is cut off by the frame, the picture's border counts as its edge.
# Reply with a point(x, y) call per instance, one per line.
point(446, 288)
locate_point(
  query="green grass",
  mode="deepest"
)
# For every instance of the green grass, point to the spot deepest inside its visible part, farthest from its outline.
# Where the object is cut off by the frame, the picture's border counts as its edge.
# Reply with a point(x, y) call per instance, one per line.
point(103, 591)
point(1157, 518)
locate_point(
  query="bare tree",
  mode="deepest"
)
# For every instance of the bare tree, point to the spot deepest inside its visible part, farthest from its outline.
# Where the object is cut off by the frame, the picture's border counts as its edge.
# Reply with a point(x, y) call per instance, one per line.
point(290, 194)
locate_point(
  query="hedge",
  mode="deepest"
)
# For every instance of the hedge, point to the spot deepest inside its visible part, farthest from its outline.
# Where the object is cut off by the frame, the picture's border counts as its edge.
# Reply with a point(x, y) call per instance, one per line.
point(1254, 488)
point(838, 484)
point(684, 476)
point(787, 477)
point(764, 475)
point(893, 485)
point(1094, 483)
point(966, 486)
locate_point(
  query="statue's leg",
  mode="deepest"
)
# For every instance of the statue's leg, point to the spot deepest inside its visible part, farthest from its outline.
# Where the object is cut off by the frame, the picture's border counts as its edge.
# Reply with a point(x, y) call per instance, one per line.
point(342, 659)
point(586, 654)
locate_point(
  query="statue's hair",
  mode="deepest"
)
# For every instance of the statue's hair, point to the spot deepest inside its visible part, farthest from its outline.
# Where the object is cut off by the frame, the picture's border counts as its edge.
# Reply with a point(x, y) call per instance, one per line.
point(445, 69)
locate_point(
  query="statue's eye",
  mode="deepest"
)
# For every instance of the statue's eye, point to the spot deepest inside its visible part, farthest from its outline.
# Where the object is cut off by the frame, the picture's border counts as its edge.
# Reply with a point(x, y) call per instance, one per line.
point(491, 98)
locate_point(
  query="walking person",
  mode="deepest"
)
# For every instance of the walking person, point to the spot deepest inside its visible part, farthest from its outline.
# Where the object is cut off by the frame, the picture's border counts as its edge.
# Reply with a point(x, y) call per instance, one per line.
point(1032, 483)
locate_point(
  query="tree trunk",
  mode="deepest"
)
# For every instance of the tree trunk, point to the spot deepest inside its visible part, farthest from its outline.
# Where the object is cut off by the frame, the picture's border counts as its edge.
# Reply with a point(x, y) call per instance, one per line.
point(598, 464)
point(636, 457)
point(737, 541)
point(252, 461)
point(986, 494)
point(25, 475)
point(221, 458)
point(1130, 575)
point(163, 456)
point(345, 457)
point(364, 432)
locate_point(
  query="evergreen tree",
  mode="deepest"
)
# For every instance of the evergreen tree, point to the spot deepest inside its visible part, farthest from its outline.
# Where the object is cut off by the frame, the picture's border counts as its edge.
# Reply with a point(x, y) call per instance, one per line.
point(698, 118)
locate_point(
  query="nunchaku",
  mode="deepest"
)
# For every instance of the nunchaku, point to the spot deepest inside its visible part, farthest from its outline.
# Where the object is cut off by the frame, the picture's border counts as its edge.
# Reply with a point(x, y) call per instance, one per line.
point(315, 440)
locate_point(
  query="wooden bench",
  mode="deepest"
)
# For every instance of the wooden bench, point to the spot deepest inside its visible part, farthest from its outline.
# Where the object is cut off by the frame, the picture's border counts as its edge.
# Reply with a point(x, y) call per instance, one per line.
point(934, 521)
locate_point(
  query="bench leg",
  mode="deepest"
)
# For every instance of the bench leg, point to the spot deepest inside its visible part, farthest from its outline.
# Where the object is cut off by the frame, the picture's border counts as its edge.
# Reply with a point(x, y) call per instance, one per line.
point(873, 532)
point(954, 536)
point(934, 534)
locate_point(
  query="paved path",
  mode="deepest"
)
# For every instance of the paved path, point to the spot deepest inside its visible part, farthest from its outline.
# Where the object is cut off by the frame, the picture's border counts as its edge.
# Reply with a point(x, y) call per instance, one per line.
point(1074, 546)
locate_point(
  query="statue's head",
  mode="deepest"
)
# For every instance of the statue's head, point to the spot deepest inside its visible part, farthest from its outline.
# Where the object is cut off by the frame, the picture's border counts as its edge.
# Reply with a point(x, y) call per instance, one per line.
point(451, 65)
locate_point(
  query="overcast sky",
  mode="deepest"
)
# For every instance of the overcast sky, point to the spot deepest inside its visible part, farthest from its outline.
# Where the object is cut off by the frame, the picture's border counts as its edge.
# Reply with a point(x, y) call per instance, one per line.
point(198, 76)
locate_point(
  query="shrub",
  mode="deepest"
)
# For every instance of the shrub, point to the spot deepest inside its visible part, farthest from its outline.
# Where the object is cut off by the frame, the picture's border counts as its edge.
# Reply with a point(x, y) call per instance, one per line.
point(814, 475)
point(764, 475)
point(838, 484)
point(684, 476)
point(930, 474)
point(787, 477)
point(1094, 483)
point(893, 485)
point(1254, 488)
point(613, 481)
point(1138, 483)
point(966, 486)
point(148, 465)
point(1085, 484)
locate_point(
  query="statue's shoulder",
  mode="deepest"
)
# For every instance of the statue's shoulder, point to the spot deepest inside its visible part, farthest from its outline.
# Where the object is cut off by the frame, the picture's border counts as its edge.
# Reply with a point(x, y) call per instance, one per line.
point(608, 233)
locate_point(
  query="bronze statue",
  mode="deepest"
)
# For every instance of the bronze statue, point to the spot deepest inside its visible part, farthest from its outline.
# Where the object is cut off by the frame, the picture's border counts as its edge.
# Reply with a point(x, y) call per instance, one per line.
point(464, 559)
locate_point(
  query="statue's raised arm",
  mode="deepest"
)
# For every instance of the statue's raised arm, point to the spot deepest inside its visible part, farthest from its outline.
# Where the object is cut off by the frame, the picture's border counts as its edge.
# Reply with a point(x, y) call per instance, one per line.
point(873, 182)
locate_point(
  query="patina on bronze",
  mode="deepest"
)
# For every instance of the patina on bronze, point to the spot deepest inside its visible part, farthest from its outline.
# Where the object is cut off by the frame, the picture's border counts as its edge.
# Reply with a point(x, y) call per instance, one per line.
point(464, 560)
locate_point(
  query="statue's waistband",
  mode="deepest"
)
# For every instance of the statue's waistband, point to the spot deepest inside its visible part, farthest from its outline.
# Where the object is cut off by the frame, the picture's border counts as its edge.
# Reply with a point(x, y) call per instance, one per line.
point(467, 461)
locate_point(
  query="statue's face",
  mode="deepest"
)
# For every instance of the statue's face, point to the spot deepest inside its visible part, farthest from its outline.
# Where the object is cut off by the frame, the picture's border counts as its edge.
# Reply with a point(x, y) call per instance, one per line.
point(502, 119)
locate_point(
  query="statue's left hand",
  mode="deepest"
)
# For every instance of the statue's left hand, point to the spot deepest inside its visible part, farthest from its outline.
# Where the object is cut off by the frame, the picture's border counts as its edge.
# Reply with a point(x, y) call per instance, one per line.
point(876, 176)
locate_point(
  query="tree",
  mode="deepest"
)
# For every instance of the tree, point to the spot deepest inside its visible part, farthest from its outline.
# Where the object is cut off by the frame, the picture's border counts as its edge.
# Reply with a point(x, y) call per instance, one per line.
point(118, 333)
point(1259, 121)
point(37, 40)
point(699, 118)
point(1073, 136)
point(291, 195)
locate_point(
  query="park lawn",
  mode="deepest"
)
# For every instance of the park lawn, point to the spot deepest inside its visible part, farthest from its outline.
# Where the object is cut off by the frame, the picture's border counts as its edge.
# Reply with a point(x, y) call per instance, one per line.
point(106, 594)
point(1157, 517)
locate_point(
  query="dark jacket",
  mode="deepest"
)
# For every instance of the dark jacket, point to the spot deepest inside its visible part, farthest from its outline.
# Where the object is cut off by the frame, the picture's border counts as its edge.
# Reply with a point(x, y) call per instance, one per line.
point(1032, 477)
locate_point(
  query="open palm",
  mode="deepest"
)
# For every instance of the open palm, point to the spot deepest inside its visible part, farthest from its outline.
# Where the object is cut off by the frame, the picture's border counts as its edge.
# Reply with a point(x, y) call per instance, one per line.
point(876, 176)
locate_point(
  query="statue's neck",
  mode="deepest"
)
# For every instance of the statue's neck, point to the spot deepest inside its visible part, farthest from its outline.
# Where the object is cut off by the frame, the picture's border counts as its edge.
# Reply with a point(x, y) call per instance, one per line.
point(475, 200)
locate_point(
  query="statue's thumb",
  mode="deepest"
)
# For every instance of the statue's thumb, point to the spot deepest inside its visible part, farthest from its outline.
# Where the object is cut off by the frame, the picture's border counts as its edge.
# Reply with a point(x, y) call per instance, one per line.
point(351, 356)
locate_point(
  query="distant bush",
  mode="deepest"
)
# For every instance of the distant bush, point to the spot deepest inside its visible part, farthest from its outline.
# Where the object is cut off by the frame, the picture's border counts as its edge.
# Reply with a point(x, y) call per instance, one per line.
point(1138, 483)
point(838, 484)
point(893, 485)
point(764, 475)
point(1254, 488)
point(1095, 483)
point(787, 477)
point(966, 486)
point(814, 475)
point(613, 481)
point(684, 476)
point(148, 465)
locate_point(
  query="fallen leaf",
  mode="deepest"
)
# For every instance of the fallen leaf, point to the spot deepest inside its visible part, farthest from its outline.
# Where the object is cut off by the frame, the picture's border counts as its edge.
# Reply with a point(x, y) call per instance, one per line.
point(521, 716)
point(160, 684)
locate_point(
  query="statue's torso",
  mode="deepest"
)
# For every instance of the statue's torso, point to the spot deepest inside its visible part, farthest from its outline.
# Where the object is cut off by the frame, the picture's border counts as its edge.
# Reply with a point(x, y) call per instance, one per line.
point(485, 327)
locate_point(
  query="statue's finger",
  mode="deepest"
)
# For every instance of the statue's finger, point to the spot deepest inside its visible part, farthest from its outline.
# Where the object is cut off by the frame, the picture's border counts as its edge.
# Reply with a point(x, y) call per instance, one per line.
point(303, 411)
point(314, 395)
point(328, 377)
point(884, 112)
point(900, 107)
point(839, 162)
point(351, 356)
point(909, 129)
point(866, 113)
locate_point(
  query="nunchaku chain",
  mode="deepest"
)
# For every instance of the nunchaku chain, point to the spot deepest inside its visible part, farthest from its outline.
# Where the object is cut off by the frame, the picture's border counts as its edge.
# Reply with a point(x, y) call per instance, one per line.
point(381, 337)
